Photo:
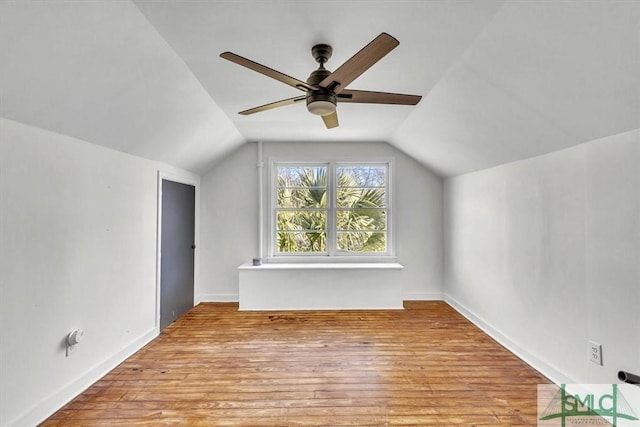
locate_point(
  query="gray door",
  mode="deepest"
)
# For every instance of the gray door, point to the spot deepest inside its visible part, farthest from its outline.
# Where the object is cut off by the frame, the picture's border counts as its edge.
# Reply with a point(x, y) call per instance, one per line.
point(177, 250)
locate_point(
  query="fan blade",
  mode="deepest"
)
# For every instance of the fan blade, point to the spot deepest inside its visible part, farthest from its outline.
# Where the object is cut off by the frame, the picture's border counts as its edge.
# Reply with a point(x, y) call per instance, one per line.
point(368, 97)
point(331, 120)
point(269, 72)
point(273, 105)
point(359, 63)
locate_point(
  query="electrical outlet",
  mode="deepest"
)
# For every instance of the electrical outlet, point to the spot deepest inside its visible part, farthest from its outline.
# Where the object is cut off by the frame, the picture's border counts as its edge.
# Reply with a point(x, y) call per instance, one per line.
point(595, 353)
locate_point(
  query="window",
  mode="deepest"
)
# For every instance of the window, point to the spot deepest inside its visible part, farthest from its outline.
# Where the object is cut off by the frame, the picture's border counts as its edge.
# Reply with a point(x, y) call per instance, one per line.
point(330, 209)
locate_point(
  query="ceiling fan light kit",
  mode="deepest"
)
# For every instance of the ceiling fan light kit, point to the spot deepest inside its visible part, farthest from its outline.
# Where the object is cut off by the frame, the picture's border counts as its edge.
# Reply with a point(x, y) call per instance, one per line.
point(324, 89)
point(321, 104)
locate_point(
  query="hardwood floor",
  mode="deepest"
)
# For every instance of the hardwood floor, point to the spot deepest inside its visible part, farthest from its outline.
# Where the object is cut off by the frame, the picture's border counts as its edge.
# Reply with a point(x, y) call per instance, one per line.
point(215, 366)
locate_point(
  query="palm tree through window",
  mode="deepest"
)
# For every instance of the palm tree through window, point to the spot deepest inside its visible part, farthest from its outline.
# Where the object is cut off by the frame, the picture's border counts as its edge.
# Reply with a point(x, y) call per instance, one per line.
point(331, 209)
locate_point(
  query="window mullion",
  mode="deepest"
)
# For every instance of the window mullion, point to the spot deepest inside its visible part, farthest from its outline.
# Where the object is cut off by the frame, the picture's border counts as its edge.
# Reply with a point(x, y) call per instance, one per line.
point(331, 209)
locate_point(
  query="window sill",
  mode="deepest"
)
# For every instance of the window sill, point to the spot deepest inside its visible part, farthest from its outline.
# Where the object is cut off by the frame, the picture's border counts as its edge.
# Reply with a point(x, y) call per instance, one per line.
point(325, 266)
point(348, 259)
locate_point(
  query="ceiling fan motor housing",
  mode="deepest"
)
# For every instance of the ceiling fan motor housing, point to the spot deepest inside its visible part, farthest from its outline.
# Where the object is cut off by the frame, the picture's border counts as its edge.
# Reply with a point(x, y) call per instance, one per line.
point(321, 101)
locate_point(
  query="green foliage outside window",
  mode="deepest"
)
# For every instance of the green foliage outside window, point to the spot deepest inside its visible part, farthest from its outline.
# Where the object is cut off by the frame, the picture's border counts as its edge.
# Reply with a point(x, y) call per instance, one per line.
point(359, 215)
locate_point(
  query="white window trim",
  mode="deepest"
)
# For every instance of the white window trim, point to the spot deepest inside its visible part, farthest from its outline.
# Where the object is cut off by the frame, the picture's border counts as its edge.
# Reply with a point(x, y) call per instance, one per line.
point(332, 254)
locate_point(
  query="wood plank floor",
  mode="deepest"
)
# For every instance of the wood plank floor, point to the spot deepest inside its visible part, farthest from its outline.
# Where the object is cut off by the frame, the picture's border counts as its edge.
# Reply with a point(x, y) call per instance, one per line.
point(215, 366)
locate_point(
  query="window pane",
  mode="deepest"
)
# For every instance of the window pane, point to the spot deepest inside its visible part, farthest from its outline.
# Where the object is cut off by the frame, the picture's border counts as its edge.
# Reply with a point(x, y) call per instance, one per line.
point(354, 197)
point(290, 241)
point(302, 176)
point(362, 241)
point(302, 197)
point(301, 220)
point(362, 176)
point(361, 219)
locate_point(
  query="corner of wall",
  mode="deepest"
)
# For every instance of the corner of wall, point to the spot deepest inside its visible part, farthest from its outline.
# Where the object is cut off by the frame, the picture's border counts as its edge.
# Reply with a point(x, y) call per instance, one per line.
point(551, 372)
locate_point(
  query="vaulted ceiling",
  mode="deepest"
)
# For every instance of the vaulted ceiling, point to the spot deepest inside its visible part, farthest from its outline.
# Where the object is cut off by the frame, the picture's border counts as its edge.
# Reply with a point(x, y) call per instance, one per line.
point(501, 81)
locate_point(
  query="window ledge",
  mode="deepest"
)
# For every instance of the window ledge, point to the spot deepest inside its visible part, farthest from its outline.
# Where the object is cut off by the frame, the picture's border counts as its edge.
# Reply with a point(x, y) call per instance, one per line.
point(350, 259)
point(325, 266)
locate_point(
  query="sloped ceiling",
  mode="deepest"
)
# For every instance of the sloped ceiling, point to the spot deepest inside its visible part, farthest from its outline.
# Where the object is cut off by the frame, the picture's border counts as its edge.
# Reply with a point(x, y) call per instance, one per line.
point(500, 81)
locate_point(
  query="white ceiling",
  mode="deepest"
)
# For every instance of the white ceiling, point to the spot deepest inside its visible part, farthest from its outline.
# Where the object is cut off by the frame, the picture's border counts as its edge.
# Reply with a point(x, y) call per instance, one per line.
point(500, 81)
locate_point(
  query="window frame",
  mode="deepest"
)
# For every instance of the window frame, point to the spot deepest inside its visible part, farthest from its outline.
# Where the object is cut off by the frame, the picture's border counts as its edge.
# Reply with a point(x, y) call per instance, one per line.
point(333, 254)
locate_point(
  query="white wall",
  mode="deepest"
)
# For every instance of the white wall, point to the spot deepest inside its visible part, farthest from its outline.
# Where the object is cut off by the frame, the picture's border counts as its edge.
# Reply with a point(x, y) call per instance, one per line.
point(229, 223)
point(77, 250)
point(545, 255)
point(229, 214)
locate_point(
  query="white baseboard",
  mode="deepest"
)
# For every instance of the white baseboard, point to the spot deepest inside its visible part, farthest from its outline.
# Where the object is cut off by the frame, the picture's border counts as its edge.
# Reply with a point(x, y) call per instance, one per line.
point(43, 409)
point(423, 296)
point(217, 298)
point(411, 296)
point(549, 371)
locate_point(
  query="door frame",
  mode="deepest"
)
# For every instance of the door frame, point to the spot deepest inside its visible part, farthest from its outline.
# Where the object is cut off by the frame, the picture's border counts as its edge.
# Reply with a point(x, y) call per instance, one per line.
point(195, 182)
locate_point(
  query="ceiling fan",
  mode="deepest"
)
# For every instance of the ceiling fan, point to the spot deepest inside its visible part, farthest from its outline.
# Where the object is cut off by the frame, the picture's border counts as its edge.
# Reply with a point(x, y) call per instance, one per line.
point(324, 89)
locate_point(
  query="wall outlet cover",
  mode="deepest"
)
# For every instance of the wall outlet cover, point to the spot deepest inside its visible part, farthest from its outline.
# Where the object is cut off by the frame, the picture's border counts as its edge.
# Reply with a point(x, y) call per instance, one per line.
point(595, 353)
